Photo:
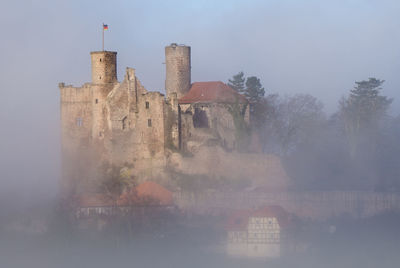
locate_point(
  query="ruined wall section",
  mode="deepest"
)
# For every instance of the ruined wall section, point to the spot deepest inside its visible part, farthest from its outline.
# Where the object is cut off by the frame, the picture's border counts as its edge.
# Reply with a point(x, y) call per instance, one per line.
point(76, 115)
point(76, 130)
point(220, 128)
point(177, 84)
point(172, 123)
point(222, 123)
point(135, 126)
point(117, 108)
point(99, 96)
point(151, 122)
point(193, 138)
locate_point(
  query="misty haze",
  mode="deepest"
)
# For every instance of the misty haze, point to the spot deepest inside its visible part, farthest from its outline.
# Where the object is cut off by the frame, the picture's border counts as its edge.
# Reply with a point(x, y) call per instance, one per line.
point(200, 133)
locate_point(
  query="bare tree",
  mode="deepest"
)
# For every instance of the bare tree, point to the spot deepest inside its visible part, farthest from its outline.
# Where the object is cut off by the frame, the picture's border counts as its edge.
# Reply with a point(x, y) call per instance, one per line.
point(291, 120)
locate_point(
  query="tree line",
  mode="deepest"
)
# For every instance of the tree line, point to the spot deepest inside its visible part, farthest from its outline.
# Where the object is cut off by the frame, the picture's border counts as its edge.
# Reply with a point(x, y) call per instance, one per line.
point(355, 148)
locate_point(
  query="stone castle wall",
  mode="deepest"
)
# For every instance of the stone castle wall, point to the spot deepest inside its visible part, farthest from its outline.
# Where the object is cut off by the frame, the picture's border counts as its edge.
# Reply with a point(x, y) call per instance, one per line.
point(107, 122)
point(306, 205)
point(76, 130)
point(219, 128)
point(135, 122)
point(76, 115)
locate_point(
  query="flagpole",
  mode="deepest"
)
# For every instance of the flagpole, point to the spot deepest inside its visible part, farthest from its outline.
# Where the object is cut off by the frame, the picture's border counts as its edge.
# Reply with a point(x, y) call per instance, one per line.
point(103, 36)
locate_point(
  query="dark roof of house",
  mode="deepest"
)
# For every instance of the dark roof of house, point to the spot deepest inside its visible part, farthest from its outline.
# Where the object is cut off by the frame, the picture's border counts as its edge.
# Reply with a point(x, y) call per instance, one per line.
point(209, 92)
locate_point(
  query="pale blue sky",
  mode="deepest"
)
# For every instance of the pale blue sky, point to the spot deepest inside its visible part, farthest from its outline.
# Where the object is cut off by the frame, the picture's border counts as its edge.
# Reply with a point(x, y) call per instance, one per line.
point(316, 47)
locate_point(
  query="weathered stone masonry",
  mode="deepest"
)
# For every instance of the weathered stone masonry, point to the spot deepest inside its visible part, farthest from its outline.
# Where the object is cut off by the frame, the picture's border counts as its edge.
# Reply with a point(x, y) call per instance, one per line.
point(122, 124)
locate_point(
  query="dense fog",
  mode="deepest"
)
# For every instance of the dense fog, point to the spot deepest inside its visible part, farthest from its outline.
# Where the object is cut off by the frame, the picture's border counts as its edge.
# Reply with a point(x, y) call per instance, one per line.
point(323, 84)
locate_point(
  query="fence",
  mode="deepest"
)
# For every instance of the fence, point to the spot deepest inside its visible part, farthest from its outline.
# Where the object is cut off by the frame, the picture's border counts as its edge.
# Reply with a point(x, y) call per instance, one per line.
point(314, 205)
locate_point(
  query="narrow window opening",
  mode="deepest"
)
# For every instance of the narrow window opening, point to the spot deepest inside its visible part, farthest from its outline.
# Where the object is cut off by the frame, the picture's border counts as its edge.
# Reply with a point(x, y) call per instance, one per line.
point(147, 105)
point(149, 122)
point(79, 121)
point(100, 59)
point(97, 101)
point(100, 77)
point(100, 134)
point(200, 119)
point(124, 121)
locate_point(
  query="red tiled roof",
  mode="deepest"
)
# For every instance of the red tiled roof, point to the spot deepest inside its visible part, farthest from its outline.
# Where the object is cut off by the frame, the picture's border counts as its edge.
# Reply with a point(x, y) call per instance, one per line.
point(95, 200)
point(239, 219)
point(216, 91)
point(153, 191)
point(147, 193)
point(273, 211)
point(128, 198)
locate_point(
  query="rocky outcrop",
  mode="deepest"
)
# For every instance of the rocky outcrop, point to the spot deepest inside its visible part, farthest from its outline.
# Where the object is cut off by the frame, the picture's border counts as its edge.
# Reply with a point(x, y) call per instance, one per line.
point(264, 171)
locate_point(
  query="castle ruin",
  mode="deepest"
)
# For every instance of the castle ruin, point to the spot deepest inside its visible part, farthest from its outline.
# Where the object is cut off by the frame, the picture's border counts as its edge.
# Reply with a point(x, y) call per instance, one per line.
point(192, 129)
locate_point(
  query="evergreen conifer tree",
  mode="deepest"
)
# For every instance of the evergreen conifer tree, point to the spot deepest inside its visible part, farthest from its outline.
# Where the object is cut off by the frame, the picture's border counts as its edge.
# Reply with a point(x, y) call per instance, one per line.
point(237, 82)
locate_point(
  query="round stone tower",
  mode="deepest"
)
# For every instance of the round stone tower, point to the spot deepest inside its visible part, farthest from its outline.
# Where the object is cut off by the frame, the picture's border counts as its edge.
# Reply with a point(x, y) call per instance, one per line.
point(177, 60)
point(104, 67)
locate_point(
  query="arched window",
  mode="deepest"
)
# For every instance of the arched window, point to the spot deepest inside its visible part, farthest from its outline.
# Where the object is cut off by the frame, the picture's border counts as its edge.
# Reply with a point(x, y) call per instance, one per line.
point(124, 121)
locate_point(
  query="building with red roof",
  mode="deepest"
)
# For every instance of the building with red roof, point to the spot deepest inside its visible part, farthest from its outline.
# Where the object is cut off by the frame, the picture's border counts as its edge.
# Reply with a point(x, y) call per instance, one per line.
point(211, 92)
point(154, 193)
point(211, 111)
point(122, 124)
point(148, 194)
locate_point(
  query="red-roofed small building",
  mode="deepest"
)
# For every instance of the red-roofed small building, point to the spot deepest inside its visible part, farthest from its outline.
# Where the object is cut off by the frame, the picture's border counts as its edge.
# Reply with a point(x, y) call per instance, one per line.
point(211, 92)
point(211, 111)
point(154, 194)
point(257, 233)
point(146, 195)
point(94, 204)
